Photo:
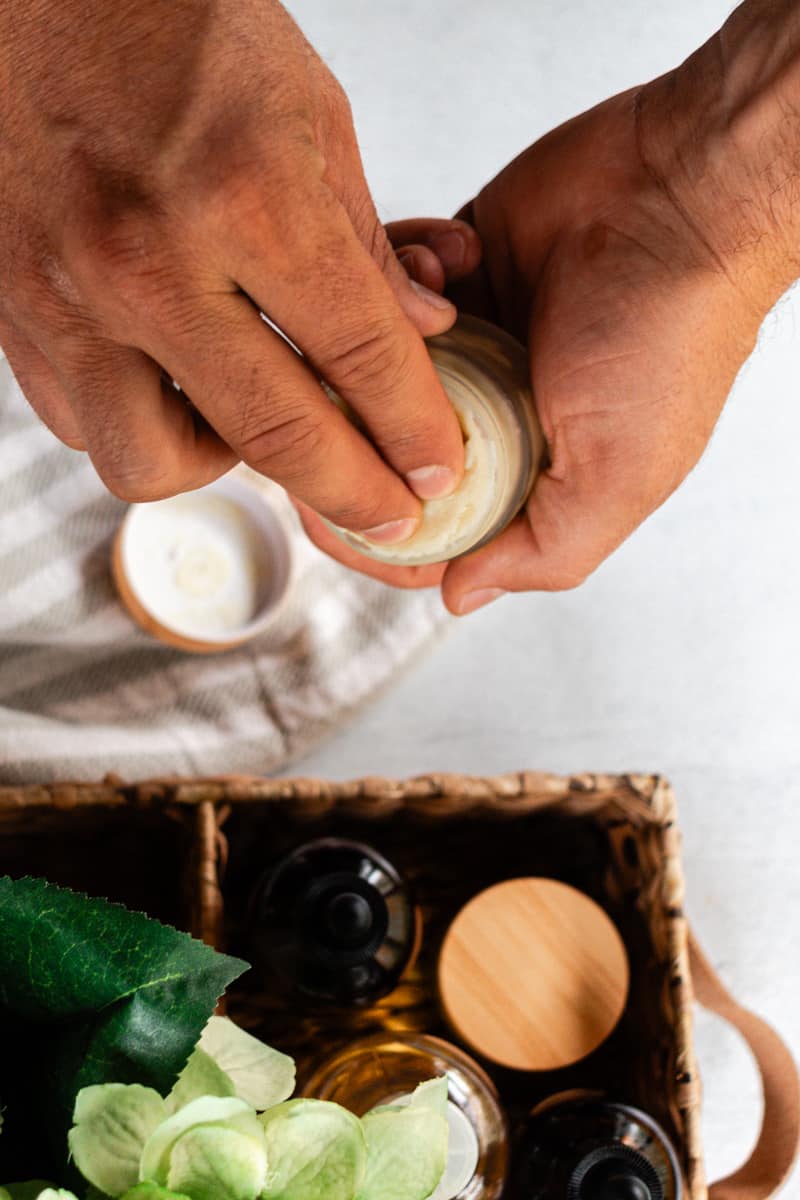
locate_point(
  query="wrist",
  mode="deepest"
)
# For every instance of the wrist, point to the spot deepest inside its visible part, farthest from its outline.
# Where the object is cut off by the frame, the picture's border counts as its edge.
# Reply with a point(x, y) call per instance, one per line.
point(721, 136)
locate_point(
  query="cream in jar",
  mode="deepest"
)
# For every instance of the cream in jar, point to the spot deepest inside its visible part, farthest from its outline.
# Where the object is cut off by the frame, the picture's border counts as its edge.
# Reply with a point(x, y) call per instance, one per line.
point(485, 374)
point(206, 570)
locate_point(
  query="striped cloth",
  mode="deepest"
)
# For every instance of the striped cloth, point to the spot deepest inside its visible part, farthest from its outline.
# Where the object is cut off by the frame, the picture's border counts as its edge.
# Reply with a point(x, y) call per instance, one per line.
point(83, 691)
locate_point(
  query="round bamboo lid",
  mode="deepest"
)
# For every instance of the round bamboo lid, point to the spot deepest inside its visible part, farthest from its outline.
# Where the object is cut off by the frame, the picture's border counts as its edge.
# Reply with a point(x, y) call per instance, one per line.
point(533, 974)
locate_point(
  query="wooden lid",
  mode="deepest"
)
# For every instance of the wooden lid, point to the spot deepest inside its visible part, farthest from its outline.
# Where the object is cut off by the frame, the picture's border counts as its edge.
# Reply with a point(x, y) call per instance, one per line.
point(533, 974)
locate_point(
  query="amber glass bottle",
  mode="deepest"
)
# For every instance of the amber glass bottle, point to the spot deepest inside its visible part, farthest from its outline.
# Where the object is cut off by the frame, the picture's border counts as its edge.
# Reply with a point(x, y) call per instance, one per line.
point(386, 1068)
point(334, 923)
point(584, 1147)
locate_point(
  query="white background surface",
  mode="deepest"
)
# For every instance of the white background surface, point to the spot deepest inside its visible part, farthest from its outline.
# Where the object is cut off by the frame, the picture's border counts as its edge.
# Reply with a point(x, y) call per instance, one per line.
point(682, 655)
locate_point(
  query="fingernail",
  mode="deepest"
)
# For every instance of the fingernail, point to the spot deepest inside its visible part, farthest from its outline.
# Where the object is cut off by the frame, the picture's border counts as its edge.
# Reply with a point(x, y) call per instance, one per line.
point(432, 483)
point(472, 600)
point(450, 248)
point(391, 531)
point(431, 298)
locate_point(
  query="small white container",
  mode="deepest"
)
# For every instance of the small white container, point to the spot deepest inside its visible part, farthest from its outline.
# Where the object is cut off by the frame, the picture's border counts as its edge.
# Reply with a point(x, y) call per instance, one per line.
point(207, 570)
point(486, 376)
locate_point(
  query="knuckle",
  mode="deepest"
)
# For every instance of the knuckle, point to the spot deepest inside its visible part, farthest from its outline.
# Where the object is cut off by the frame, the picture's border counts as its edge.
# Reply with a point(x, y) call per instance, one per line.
point(368, 227)
point(360, 513)
point(337, 101)
point(375, 239)
point(136, 473)
point(287, 444)
point(136, 484)
point(372, 359)
point(127, 264)
point(564, 577)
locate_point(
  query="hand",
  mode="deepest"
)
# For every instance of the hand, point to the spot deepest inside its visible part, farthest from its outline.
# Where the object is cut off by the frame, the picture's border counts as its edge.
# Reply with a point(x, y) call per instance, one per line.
point(637, 262)
point(168, 170)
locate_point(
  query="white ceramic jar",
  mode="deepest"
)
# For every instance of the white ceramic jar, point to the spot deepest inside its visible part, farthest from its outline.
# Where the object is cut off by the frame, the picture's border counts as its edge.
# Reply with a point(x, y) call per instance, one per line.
point(207, 570)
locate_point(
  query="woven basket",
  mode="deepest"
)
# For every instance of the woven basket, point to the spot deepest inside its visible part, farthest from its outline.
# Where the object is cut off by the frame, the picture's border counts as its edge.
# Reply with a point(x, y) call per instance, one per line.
point(188, 851)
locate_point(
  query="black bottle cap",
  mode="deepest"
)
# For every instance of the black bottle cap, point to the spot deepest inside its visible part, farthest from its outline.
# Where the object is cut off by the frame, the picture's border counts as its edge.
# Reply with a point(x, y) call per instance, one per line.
point(334, 921)
point(348, 919)
point(615, 1172)
point(620, 1185)
point(343, 915)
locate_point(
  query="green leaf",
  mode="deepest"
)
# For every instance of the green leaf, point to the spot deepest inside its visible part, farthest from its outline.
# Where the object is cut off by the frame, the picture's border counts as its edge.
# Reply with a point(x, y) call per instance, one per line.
point(112, 1123)
point(212, 1162)
point(200, 1077)
point(260, 1075)
point(151, 1191)
point(315, 1151)
point(90, 993)
point(406, 1152)
point(229, 1112)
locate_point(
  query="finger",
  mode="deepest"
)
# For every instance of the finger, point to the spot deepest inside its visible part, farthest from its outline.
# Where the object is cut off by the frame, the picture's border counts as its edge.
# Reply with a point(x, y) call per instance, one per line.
point(472, 292)
point(563, 535)
point(41, 386)
point(422, 265)
point(265, 403)
point(145, 440)
point(329, 296)
point(428, 311)
point(455, 244)
point(327, 541)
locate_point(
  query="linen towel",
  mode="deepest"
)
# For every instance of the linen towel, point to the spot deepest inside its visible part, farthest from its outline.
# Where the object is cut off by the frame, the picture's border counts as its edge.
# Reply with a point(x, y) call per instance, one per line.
point(83, 691)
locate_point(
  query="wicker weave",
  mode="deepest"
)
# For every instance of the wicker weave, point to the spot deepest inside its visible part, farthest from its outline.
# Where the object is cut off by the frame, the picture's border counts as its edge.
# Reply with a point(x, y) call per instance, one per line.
point(451, 835)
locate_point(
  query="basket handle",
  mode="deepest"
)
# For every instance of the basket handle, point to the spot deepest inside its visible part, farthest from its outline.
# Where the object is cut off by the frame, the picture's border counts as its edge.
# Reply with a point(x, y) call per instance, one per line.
point(778, 1142)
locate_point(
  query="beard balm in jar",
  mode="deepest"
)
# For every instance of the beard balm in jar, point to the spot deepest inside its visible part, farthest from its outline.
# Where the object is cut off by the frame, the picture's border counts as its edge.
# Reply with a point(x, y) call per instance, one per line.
point(208, 570)
point(486, 376)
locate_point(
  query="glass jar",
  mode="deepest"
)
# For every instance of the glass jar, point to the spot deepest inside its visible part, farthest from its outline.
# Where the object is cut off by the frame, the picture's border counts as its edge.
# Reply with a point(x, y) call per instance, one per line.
point(485, 374)
point(333, 922)
point(582, 1146)
point(386, 1068)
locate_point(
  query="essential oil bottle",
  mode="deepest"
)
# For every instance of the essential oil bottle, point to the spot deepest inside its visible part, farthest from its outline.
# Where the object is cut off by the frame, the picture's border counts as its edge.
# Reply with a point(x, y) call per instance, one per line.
point(585, 1147)
point(334, 923)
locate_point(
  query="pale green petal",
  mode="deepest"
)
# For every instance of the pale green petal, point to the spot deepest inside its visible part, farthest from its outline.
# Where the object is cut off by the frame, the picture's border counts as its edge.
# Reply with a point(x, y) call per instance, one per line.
point(431, 1094)
point(207, 1110)
point(113, 1121)
point(151, 1191)
point(315, 1151)
point(211, 1162)
point(406, 1153)
point(34, 1189)
point(31, 1189)
point(261, 1076)
point(200, 1077)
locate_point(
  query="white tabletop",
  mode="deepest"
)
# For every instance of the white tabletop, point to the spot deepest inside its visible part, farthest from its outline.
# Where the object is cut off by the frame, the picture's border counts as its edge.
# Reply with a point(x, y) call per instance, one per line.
point(682, 654)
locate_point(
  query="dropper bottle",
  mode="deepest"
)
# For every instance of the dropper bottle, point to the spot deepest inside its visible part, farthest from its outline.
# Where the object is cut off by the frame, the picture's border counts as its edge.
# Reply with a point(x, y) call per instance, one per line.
point(585, 1147)
point(333, 922)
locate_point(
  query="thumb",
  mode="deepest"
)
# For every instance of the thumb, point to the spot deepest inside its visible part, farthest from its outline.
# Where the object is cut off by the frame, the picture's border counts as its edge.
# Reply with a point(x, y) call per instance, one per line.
point(564, 533)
